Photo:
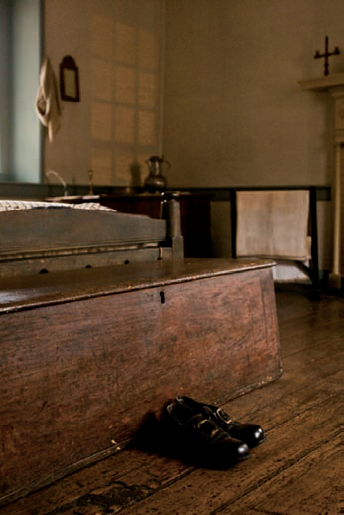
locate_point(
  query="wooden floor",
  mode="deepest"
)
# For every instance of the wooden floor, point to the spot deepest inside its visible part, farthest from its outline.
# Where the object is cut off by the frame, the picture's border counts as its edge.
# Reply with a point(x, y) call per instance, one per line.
point(296, 471)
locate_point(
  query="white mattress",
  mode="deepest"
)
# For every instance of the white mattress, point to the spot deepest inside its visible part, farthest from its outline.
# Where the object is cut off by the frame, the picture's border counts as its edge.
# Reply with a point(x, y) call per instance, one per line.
point(15, 205)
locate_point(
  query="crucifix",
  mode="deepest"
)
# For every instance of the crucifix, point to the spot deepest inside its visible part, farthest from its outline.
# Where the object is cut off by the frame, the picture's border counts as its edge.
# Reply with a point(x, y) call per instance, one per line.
point(327, 54)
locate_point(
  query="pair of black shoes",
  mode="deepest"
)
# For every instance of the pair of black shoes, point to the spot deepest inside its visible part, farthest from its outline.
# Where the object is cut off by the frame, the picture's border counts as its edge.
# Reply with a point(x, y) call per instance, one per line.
point(207, 435)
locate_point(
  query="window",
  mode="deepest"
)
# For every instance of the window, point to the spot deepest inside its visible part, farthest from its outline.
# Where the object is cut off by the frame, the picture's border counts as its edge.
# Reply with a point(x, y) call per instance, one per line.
point(20, 57)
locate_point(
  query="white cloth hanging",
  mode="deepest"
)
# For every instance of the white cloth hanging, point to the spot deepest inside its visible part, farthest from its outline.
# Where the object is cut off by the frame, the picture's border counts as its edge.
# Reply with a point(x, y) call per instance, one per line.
point(273, 224)
point(47, 100)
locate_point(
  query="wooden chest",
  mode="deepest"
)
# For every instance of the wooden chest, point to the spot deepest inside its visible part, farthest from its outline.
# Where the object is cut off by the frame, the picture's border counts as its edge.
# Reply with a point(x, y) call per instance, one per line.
point(85, 355)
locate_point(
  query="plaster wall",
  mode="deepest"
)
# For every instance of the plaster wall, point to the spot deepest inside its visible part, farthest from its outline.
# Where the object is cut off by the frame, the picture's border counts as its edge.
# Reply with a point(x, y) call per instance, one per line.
point(234, 113)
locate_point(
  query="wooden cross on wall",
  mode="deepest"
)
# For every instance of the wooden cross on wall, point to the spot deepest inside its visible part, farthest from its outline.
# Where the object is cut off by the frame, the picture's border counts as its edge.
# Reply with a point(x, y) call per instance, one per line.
point(327, 54)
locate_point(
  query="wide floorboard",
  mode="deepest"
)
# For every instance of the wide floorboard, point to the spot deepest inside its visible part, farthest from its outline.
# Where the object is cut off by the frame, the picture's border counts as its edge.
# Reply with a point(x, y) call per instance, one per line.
point(296, 471)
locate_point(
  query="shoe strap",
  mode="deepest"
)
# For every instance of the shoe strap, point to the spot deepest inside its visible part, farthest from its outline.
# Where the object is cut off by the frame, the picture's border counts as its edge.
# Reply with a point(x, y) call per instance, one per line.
point(208, 428)
point(223, 416)
point(205, 426)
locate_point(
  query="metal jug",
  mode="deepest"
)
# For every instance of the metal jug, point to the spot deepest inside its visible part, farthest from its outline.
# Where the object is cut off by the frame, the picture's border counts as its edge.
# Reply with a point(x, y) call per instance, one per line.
point(155, 181)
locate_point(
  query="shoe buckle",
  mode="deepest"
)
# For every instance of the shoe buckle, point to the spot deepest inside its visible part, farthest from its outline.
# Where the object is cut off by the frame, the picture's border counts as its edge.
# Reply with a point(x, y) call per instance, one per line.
point(223, 416)
point(209, 422)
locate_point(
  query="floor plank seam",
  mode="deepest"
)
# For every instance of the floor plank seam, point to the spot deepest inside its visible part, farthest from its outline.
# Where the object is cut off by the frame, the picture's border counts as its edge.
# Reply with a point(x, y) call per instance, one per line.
point(254, 411)
point(261, 512)
point(279, 471)
point(302, 412)
point(304, 350)
point(92, 498)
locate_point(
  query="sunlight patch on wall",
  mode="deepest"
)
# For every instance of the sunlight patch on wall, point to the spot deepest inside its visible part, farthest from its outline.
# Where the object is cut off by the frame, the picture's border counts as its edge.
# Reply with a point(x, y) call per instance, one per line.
point(126, 46)
point(147, 128)
point(125, 88)
point(101, 121)
point(123, 163)
point(147, 89)
point(125, 85)
point(147, 49)
point(101, 79)
point(125, 125)
point(101, 161)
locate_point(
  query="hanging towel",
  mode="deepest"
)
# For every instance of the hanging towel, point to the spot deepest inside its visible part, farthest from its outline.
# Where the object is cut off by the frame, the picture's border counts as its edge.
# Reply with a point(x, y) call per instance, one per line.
point(47, 101)
point(273, 224)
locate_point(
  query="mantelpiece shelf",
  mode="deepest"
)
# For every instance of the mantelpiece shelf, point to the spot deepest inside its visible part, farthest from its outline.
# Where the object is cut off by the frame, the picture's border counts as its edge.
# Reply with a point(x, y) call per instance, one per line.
point(323, 83)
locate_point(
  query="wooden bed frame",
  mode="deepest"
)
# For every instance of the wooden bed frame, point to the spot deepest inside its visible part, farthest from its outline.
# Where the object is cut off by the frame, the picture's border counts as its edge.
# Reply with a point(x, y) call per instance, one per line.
point(38, 237)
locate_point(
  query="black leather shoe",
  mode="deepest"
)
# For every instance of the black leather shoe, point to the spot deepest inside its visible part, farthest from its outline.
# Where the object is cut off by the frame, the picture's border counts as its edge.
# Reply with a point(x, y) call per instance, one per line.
point(251, 434)
point(198, 437)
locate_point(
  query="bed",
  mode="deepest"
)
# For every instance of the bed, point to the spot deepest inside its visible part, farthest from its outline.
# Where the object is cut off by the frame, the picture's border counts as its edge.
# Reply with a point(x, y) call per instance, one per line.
point(37, 237)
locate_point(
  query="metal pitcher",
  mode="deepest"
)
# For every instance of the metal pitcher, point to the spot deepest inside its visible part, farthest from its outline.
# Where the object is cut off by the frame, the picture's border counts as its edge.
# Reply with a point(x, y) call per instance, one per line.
point(156, 181)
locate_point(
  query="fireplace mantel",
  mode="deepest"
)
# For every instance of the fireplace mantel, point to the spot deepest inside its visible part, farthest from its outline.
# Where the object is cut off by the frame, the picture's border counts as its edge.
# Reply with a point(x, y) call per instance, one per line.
point(334, 85)
point(323, 83)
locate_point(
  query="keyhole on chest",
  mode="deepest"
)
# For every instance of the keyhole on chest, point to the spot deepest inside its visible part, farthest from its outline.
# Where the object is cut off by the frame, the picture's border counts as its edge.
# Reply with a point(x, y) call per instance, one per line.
point(162, 297)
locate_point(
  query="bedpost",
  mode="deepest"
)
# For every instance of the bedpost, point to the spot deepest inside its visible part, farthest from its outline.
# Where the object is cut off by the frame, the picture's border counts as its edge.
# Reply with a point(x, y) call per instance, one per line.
point(170, 211)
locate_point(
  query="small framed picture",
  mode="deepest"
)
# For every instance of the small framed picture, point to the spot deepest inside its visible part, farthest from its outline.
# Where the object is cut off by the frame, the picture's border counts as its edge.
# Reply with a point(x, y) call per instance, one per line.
point(69, 80)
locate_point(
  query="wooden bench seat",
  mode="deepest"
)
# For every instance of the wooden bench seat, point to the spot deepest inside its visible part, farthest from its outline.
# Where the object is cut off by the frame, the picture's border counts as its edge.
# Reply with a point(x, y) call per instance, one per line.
point(86, 354)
